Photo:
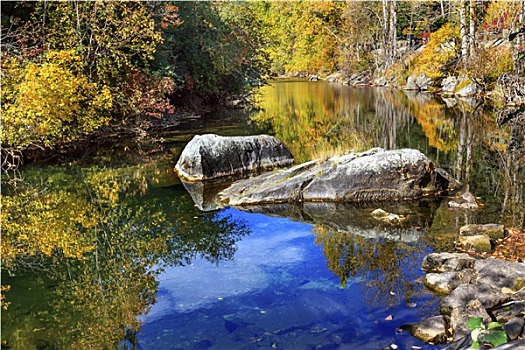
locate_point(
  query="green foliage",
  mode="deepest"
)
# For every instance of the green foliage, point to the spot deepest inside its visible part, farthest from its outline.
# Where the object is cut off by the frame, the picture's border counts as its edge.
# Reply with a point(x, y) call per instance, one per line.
point(491, 334)
point(211, 54)
point(116, 41)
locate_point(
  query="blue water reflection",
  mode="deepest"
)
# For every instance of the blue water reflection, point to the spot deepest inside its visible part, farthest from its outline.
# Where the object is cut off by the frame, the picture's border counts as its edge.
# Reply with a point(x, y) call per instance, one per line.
point(277, 293)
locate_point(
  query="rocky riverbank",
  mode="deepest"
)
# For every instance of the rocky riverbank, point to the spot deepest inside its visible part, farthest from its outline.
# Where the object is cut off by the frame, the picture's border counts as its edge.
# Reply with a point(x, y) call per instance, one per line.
point(490, 289)
point(509, 89)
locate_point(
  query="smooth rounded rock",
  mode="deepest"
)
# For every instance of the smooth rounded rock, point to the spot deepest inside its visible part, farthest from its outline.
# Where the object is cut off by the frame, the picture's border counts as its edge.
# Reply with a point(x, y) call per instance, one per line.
point(212, 156)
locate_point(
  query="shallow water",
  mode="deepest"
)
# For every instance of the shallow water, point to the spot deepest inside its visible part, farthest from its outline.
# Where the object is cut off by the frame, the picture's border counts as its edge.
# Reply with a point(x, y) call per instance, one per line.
point(142, 257)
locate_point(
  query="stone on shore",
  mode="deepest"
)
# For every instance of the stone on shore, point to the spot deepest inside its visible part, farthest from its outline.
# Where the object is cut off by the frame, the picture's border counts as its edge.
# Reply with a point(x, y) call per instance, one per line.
point(488, 288)
point(500, 273)
point(431, 330)
point(493, 231)
point(461, 314)
point(478, 243)
point(212, 156)
point(444, 283)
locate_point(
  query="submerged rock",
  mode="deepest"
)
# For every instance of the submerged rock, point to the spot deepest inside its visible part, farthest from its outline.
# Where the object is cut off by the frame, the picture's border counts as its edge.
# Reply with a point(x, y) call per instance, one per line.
point(212, 156)
point(445, 262)
point(431, 330)
point(384, 216)
point(374, 175)
point(353, 219)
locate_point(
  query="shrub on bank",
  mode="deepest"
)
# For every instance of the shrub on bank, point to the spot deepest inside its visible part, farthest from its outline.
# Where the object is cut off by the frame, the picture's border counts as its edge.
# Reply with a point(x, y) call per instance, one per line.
point(50, 102)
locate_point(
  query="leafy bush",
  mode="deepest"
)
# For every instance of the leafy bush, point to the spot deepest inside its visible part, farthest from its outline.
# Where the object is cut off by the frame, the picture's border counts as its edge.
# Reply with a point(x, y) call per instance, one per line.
point(438, 56)
point(490, 63)
point(50, 102)
point(491, 334)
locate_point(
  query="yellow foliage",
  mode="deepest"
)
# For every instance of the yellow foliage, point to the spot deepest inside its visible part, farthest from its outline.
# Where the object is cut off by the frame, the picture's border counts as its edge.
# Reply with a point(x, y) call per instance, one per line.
point(502, 14)
point(439, 52)
point(438, 128)
point(33, 224)
point(491, 63)
point(312, 128)
point(50, 102)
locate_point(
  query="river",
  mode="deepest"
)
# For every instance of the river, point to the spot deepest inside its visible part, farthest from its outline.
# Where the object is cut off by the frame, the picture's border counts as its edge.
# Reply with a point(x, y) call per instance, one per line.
point(112, 252)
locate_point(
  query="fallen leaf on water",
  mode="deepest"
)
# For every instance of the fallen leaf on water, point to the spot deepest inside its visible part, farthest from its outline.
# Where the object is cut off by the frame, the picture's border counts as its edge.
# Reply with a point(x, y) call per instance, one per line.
point(389, 318)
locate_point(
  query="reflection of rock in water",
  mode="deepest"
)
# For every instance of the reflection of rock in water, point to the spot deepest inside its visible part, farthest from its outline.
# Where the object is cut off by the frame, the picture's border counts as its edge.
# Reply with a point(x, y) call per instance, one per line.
point(205, 194)
point(358, 220)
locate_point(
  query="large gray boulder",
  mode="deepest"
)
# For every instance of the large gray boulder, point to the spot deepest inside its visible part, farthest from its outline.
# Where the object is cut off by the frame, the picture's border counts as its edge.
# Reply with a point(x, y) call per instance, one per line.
point(212, 156)
point(418, 82)
point(374, 175)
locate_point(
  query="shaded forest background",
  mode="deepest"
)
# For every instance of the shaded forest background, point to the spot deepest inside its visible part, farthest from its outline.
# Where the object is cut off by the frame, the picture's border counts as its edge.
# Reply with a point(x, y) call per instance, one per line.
point(76, 70)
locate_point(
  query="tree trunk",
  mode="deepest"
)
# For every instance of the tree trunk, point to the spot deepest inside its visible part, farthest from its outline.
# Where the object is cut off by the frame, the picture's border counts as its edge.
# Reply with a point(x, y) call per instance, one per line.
point(386, 41)
point(389, 31)
point(472, 28)
point(393, 30)
point(463, 30)
point(521, 22)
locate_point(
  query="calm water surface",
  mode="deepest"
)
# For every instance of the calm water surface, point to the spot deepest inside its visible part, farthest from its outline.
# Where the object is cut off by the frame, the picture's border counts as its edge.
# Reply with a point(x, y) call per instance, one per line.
point(143, 267)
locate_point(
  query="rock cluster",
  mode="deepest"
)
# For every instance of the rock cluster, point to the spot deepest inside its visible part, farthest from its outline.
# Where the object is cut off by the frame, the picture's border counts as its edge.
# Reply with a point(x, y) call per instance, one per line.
point(480, 238)
point(418, 82)
point(488, 288)
point(465, 200)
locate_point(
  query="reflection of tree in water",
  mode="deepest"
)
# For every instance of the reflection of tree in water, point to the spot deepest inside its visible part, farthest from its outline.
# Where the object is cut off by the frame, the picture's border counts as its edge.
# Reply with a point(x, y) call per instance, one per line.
point(489, 159)
point(502, 168)
point(485, 156)
point(384, 262)
point(118, 236)
point(315, 120)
